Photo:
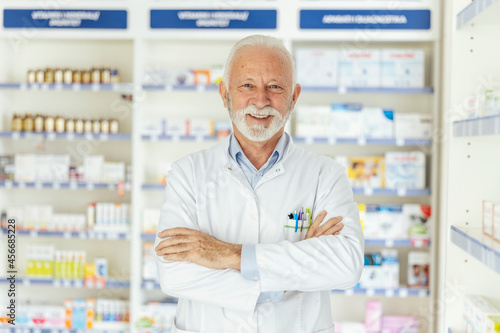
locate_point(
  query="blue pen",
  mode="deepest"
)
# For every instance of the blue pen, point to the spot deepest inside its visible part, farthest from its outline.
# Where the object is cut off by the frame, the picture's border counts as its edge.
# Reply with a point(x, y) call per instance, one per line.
point(296, 218)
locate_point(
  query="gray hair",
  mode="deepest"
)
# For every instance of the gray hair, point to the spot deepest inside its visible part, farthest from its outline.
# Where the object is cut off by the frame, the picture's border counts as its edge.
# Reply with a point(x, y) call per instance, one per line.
point(258, 40)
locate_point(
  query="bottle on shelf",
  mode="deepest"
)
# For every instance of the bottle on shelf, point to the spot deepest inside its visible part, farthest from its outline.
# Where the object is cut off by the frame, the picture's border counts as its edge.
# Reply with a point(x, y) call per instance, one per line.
point(17, 123)
point(79, 126)
point(31, 76)
point(40, 76)
point(38, 123)
point(88, 126)
point(105, 75)
point(96, 126)
point(113, 126)
point(70, 125)
point(68, 76)
point(49, 124)
point(77, 76)
point(86, 76)
point(96, 75)
point(60, 124)
point(49, 75)
point(104, 126)
point(114, 75)
point(58, 76)
point(28, 123)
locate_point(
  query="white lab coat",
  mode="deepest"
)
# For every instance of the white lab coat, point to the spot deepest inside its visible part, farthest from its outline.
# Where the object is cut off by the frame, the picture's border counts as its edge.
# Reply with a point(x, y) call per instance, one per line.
point(209, 192)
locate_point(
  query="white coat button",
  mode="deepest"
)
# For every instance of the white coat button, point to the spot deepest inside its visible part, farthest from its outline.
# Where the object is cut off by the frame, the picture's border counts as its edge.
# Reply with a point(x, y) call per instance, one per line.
point(278, 170)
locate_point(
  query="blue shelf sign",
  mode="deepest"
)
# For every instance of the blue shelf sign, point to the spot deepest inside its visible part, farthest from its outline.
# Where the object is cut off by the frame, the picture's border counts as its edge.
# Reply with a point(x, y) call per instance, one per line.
point(212, 19)
point(65, 19)
point(365, 19)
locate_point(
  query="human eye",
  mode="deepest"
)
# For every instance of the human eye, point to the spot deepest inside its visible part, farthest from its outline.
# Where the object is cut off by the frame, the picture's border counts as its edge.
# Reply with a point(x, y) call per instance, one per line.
point(275, 88)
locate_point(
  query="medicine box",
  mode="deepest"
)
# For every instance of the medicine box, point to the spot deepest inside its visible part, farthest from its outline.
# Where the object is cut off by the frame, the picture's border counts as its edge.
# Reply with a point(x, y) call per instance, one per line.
point(113, 172)
point(496, 222)
point(149, 269)
point(491, 103)
point(359, 68)
point(346, 120)
point(366, 171)
point(373, 316)
point(317, 67)
point(152, 126)
point(377, 123)
point(418, 269)
point(200, 127)
point(150, 219)
point(60, 168)
point(398, 324)
point(403, 68)
point(176, 127)
point(488, 218)
point(405, 170)
point(383, 222)
point(93, 168)
point(25, 167)
point(415, 222)
point(412, 126)
point(476, 312)
point(313, 121)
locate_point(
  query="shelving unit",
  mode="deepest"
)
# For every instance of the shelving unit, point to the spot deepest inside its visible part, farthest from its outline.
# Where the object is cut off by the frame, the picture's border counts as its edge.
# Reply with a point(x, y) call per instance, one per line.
point(68, 283)
point(140, 47)
point(470, 146)
point(99, 235)
point(65, 136)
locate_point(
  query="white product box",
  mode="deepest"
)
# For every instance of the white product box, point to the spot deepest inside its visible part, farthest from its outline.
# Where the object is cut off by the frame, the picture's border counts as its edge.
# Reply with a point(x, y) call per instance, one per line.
point(491, 103)
point(412, 126)
point(216, 74)
point(346, 120)
point(60, 168)
point(25, 170)
point(496, 222)
point(200, 127)
point(383, 222)
point(93, 168)
point(359, 68)
point(113, 172)
point(405, 170)
point(152, 126)
point(403, 68)
point(312, 121)
point(390, 268)
point(416, 221)
point(371, 277)
point(150, 219)
point(477, 311)
point(317, 67)
point(377, 123)
point(30, 214)
point(43, 166)
point(488, 218)
point(176, 127)
point(149, 269)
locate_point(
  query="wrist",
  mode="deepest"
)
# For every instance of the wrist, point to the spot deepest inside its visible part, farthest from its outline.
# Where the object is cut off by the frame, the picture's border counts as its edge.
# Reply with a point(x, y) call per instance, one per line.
point(235, 256)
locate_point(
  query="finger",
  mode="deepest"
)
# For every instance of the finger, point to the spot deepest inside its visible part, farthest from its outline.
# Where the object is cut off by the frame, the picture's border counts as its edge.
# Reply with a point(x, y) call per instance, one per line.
point(178, 248)
point(337, 233)
point(176, 232)
point(336, 228)
point(182, 256)
point(318, 219)
point(331, 222)
point(174, 241)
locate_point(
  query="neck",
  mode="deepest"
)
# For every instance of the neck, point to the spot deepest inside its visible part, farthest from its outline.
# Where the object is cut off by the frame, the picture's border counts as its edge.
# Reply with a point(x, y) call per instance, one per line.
point(257, 152)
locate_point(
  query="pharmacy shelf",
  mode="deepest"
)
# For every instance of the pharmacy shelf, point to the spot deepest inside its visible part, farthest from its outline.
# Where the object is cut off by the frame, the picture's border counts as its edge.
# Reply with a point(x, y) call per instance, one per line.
point(483, 12)
point(357, 191)
point(392, 192)
point(363, 141)
point(387, 292)
point(67, 283)
point(177, 138)
point(22, 329)
point(481, 247)
point(150, 285)
point(148, 237)
point(99, 235)
point(56, 186)
point(369, 90)
point(477, 127)
point(67, 87)
point(396, 242)
point(166, 87)
point(66, 136)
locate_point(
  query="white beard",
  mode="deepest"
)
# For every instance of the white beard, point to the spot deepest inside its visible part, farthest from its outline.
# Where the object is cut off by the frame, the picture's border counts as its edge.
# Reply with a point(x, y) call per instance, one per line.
point(257, 132)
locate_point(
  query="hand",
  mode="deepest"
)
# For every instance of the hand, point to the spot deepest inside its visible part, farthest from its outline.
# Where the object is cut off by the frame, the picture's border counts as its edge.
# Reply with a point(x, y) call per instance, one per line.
point(330, 227)
point(197, 247)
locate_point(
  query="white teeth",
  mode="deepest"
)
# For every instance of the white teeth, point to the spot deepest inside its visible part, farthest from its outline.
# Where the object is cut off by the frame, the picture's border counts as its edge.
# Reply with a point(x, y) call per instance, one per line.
point(259, 117)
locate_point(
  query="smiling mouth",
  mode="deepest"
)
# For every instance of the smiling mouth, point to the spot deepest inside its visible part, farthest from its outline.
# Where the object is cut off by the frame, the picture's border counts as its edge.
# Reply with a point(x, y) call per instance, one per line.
point(259, 116)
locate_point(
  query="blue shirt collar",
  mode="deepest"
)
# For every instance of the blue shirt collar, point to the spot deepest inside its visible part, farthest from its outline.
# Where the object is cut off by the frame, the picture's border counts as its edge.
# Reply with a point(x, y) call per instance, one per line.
point(235, 149)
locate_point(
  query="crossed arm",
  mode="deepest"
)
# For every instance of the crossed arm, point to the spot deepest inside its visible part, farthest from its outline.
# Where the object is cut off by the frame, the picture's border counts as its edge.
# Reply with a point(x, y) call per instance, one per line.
point(184, 244)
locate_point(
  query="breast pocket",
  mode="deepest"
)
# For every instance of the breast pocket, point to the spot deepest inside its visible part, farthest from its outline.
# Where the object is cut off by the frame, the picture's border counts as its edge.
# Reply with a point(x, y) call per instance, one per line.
point(295, 231)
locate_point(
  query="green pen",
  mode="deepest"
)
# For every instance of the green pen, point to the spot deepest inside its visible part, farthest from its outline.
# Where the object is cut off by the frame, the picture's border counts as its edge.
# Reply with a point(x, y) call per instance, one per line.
point(308, 211)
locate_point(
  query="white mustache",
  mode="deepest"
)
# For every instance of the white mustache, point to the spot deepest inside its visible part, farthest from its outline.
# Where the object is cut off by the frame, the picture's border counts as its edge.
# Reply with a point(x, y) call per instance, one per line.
point(265, 111)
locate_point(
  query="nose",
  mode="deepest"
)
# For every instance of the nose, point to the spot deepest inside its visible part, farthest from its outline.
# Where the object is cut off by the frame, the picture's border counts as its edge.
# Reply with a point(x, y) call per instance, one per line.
point(261, 98)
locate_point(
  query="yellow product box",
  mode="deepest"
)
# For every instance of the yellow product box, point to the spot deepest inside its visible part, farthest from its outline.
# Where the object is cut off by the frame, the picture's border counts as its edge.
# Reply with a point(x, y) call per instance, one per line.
point(366, 172)
point(362, 215)
point(493, 324)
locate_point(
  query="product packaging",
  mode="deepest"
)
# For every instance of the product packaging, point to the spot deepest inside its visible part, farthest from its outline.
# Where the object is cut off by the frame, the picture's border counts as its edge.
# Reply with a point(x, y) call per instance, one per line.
point(176, 127)
point(390, 268)
point(372, 274)
point(149, 269)
point(317, 67)
point(346, 120)
point(377, 123)
point(491, 103)
point(101, 272)
point(216, 74)
point(476, 312)
point(373, 316)
point(60, 167)
point(223, 129)
point(152, 126)
point(366, 172)
point(313, 121)
point(93, 168)
point(383, 222)
point(398, 324)
point(412, 126)
point(200, 127)
point(405, 170)
point(492, 324)
point(25, 170)
point(150, 218)
point(416, 221)
point(418, 269)
point(7, 168)
point(403, 68)
point(359, 68)
point(201, 77)
point(113, 172)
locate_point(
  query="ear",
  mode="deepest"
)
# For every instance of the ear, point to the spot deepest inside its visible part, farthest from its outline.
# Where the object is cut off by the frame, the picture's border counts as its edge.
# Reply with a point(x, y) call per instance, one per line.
point(296, 94)
point(223, 92)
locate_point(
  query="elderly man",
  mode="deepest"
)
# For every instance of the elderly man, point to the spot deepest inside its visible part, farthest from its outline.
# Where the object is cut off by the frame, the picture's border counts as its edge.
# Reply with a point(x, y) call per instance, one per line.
point(255, 231)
